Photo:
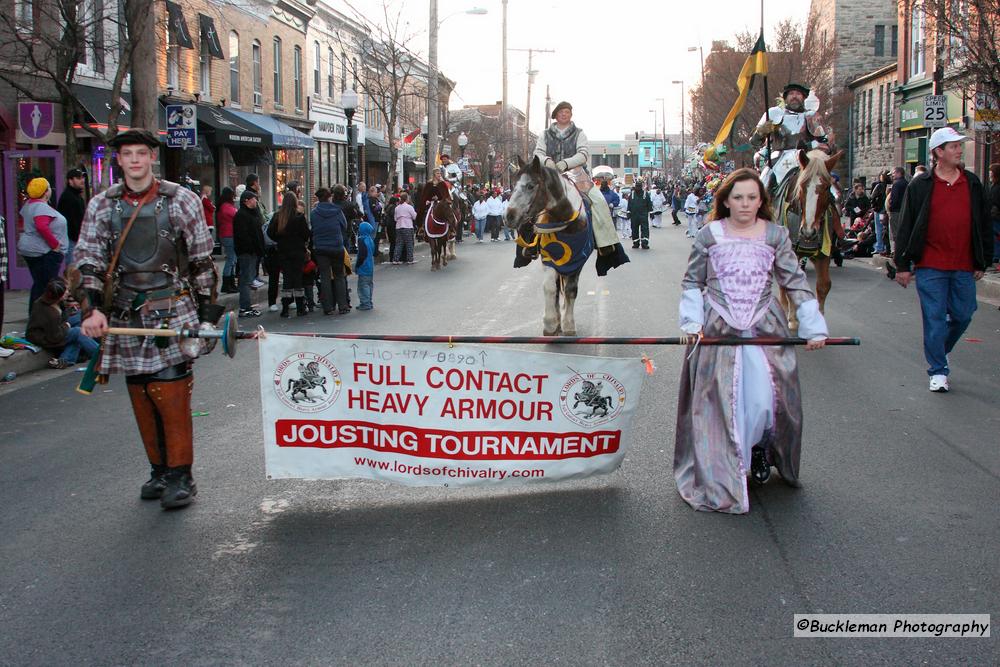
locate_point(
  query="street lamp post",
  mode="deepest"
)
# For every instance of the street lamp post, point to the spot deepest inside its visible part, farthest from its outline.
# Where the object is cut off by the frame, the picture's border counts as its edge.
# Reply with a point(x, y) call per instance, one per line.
point(463, 141)
point(491, 156)
point(349, 102)
point(652, 169)
point(701, 52)
point(682, 119)
point(427, 151)
point(663, 122)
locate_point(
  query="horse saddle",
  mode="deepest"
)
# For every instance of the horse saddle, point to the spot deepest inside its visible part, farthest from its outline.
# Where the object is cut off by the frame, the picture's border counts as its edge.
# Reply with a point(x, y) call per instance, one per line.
point(433, 227)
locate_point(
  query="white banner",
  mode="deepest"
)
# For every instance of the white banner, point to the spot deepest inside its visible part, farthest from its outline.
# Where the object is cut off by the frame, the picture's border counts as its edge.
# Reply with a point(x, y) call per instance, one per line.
point(430, 414)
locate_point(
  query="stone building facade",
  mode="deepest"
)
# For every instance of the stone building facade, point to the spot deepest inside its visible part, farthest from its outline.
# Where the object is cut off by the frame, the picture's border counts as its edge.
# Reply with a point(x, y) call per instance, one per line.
point(873, 124)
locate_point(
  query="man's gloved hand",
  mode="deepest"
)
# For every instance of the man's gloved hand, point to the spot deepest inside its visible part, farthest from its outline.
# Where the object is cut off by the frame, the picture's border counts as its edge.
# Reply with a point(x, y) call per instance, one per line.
point(561, 165)
point(767, 127)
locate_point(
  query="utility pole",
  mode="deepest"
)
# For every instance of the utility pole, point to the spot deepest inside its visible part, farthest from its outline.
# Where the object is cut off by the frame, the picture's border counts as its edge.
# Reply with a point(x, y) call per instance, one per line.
point(527, 106)
point(432, 92)
point(503, 103)
point(548, 106)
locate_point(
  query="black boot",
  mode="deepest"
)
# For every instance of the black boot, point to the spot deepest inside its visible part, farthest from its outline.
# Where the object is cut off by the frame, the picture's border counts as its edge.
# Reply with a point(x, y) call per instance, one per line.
point(760, 469)
point(286, 301)
point(229, 285)
point(153, 488)
point(180, 489)
point(300, 306)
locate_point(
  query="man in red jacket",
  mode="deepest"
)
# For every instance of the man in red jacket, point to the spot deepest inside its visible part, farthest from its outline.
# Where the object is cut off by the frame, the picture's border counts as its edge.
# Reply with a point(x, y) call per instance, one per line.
point(946, 232)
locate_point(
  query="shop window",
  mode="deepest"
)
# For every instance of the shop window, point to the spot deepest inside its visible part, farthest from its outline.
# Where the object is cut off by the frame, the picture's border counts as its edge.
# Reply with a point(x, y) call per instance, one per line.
point(880, 40)
point(297, 76)
point(258, 76)
point(317, 66)
point(329, 75)
point(205, 75)
point(277, 72)
point(234, 67)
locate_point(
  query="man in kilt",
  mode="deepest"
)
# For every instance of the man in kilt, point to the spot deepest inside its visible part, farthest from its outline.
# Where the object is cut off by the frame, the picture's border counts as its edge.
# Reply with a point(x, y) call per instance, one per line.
point(144, 260)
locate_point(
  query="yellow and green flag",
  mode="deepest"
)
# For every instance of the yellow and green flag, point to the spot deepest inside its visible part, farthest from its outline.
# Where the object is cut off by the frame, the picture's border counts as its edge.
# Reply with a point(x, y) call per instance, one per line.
point(756, 63)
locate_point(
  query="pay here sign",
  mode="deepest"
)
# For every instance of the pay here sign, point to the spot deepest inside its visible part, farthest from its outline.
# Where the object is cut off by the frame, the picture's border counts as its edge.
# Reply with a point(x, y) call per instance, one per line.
point(426, 414)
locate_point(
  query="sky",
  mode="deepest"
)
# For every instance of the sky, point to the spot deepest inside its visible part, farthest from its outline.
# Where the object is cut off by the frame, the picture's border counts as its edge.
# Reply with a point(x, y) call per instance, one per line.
point(612, 59)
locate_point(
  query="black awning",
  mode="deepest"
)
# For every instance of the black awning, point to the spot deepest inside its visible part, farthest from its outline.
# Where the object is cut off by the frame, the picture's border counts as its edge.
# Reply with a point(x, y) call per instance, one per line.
point(244, 156)
point(97, 102)
point(209, 37)
point(377, 151)
point(226, 129)
point(177, 26)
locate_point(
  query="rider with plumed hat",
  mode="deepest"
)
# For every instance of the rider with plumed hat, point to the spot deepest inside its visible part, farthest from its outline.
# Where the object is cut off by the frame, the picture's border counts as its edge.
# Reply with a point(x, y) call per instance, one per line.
point(790, 127)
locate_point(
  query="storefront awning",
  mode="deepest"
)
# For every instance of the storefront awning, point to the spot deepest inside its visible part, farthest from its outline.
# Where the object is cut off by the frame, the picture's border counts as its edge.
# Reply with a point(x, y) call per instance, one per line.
point(282, 134)
point(377, 149)
point(226, 129)
point(97, 102)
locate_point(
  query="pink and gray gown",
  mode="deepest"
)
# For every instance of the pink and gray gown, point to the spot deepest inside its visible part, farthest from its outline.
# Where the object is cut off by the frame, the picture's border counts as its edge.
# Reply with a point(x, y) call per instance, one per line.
point(734, 397)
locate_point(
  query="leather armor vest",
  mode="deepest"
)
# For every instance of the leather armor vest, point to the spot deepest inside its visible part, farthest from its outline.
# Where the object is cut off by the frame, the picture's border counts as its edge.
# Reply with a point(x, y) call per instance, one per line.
point(151, 255)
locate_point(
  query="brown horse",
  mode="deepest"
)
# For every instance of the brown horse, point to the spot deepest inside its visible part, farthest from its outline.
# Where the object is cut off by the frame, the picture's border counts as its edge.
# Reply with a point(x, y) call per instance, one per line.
point(440, 226)
point(808, 208)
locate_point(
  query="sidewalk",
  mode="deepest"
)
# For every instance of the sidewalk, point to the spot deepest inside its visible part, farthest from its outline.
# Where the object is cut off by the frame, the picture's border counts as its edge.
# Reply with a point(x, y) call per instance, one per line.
point(24, 362)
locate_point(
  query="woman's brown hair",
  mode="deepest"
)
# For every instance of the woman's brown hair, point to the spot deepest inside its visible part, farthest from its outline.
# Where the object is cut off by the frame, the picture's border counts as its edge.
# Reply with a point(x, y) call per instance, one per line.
point(719, 209)
point(289, 209)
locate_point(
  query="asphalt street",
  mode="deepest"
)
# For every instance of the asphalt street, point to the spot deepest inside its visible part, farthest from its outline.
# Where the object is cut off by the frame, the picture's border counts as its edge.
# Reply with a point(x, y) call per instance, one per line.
point(897, 513)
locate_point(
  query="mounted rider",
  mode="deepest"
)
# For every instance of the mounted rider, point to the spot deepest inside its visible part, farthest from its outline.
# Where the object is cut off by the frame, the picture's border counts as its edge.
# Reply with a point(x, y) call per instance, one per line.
point(563, 146)
point(792, 127)
point(451, 172)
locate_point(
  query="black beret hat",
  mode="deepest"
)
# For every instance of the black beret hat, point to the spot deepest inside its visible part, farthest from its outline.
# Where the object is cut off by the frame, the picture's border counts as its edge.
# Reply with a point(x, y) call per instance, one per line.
point(560, 107)
point(137, 135)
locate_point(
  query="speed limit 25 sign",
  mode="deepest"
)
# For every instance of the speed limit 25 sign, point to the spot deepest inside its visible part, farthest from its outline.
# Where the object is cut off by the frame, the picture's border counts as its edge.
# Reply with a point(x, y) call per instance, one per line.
point(935, 110)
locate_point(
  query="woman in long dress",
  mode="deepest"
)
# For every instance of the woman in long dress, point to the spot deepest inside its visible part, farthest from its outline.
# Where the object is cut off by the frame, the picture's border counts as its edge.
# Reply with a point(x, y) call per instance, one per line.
point(740, 409)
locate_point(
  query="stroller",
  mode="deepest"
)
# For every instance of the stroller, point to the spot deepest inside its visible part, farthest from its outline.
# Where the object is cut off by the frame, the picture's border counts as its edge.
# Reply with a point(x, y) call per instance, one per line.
point(859, 239)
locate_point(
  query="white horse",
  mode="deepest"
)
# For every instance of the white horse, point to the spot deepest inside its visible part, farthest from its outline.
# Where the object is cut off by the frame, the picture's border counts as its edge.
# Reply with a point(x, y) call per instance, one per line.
point(547, 213)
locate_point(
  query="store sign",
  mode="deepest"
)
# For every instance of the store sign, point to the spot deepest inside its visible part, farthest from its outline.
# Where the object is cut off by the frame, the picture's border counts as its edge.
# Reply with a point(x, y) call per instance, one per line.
point(333, 127)
point(182, 126)
point(911, 113)
point(987, 113)
point(35, 120)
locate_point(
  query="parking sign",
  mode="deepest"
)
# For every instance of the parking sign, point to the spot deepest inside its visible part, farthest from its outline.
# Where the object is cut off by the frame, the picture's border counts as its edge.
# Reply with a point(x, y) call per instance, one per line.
point(182, 126)
point(935, 110)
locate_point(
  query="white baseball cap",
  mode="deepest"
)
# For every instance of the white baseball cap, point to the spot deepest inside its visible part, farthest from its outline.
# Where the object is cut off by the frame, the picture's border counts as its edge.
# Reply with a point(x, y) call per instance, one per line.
point(943, 136)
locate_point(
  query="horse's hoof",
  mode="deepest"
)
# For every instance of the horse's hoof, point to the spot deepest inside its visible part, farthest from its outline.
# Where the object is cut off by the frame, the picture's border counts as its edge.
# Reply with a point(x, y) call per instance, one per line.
point(569, 333)
point(552, 333)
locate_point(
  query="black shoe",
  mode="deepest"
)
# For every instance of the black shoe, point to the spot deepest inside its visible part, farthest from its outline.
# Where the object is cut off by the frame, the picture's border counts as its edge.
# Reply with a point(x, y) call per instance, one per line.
point(635, 246)
point(153, 488)
point(890, 270)
point(286, 302)
point(300, 307)
point(760, 469)
point(180, 489)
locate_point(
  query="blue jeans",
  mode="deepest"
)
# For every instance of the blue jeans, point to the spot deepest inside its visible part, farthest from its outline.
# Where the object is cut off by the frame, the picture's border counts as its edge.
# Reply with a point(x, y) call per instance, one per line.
point(229, 248)
point(248, 268)
point(879, 232)
point(947, 302)
point(480, 228)
point(366, 286)
point(42, 269)
point(76, 341)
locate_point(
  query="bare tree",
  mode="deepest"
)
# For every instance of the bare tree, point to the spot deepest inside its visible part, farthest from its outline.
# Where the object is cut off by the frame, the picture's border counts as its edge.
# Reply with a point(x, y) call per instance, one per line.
point(388, 72)
point(967, 44)
point(41, 55)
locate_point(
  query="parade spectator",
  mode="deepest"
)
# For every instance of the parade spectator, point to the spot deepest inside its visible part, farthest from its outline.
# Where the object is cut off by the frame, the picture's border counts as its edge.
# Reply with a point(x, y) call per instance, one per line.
point(207, 204)
point(329, 228)
point(508, 235)
point(72, 205)
point(995, 212)
point(44, 240)
point(365, 266)
point(405, 217)
point(676, 204)
point(389, 223)
point(879, 193)
point(494, 215)
point(480, 212)
point(946, 233)
point(639, 208)
point(57, 334)
point(610, 196)
point(894, 204)
point(224, 215)
point(857, 204)
point(290, 232)
point(252, 182)
point(248, 242)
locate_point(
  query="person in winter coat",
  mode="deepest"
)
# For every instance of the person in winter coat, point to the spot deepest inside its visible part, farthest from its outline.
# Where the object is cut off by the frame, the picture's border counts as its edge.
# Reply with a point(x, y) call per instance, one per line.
point(48, 329)
point(639, 208)
point(365, 266)
point(857, 204)
point(389, 223)
point(248, 242)
point(72, 206)
point(329, 229)
point(224, 215)
point(879, 191)
point(290, 231)
point(480, 213)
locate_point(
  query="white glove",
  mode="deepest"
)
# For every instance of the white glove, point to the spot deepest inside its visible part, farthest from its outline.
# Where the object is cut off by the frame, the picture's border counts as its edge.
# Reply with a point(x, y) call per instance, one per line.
point(561, 165)
point(691, 328)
